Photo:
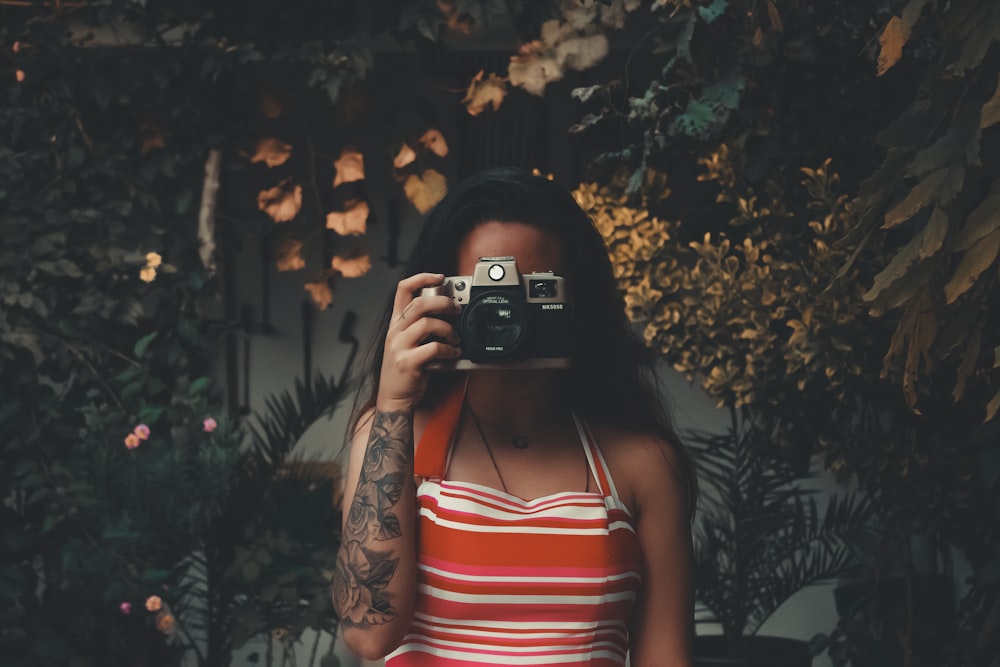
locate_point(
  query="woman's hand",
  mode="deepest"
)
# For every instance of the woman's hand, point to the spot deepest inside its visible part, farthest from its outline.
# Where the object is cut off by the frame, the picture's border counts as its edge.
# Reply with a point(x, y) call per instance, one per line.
point(416, 336)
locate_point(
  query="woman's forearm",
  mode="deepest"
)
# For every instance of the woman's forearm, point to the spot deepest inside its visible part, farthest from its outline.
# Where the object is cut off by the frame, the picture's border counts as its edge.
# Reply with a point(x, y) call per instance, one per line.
point(375, 580)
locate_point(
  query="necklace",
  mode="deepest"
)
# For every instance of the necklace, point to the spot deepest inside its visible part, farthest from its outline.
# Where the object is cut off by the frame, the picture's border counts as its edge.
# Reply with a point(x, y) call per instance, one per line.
point(489, 450)
point(493, 460)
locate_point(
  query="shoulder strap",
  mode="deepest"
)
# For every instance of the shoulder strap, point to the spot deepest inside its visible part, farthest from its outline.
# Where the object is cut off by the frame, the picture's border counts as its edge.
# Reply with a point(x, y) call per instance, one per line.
point(596, 460)
point(431, 456)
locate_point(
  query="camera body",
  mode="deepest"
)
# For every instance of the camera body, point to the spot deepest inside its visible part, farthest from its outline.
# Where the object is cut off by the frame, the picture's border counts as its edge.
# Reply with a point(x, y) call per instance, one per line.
point(508, 320)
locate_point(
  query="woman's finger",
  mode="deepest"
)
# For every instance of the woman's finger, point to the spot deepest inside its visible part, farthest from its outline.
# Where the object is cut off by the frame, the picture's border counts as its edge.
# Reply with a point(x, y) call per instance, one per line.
point(407, 286)
point(422, 306)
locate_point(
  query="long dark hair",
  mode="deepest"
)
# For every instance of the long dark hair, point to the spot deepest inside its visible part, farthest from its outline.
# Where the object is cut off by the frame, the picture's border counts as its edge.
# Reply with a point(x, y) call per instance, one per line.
point(612, 380)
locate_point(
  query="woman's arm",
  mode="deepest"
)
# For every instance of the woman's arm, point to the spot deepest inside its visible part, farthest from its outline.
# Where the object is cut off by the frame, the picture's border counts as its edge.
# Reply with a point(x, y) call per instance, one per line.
point(662, 627)
point(375, 581)
point(374, 586)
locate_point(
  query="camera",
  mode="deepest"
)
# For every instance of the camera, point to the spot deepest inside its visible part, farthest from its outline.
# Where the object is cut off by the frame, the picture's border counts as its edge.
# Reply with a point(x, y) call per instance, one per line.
point(508, 319)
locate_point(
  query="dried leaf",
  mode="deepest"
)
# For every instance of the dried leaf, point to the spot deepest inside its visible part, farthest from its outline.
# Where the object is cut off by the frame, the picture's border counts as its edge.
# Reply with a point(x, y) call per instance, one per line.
point(426, 190)
point(900, 264)
point(282, 202)
point(151, 137)
point(321, 293)
point(968, 366)
point(405, 156)
point(290, 255)
point(434, 141)
point(483, 93)
point(456, 20)
point(891, 42)
point(775, 18)
point(992, 407)
point(940, 186)
point(990, 113)
point(271, 152)
point(351, 267)
point(352, 221)
point(350, 167)
point(983, 221)
point(976, 260)
point(269, 105)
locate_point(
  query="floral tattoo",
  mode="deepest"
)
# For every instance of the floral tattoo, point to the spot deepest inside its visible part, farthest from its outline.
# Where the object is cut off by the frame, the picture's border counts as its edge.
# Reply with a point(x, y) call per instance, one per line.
point(363, 570)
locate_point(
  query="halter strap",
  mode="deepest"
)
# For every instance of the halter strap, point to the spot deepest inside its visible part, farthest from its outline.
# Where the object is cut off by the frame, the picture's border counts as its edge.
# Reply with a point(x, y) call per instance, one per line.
point(431, 456)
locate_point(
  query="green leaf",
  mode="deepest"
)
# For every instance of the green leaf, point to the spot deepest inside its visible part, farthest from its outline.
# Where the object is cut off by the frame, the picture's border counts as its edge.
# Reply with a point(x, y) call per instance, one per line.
point(198, 386)
point(143, 344)
point(155, 576)
point(150, 413)
point(66, 267)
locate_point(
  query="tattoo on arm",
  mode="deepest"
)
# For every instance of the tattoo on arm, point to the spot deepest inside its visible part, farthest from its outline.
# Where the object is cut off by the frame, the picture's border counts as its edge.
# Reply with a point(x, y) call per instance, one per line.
point(365, 568)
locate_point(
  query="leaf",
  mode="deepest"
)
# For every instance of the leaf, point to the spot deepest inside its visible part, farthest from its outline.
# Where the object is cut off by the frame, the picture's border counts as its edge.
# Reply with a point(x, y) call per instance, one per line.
point(891, 43)
point(976, 260)
point(484, 92)
point(350, 167)
point(585, 122)
point(350, 222)
point(282, 202)
point(198, 386)
point(709, 13)
point(585, 93)
point(321, 293)
point(351, 267)
point(271, 152)
point(927, 238)
point(290, 255)
point(992, 407)
point(983, 221)
point(968, 366)
point(68, 268)
point(143, 344)
point(773, 16)
point(425, 190)
point(405, 156)
point(433, 141)
point(940, 186)
point(989, 115)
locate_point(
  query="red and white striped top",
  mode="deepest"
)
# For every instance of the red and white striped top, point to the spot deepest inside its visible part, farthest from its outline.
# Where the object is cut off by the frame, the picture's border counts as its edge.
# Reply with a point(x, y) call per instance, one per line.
point(507, 581)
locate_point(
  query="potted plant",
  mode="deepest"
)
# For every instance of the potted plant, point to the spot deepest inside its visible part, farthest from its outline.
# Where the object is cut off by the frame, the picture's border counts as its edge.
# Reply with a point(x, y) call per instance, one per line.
point(759, 539)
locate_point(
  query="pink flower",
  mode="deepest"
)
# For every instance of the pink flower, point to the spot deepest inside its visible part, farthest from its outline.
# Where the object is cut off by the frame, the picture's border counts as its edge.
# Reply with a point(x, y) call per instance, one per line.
point(125, 608)
point(209, 425)
point(132, 441)
point(154, 603)
point(142, 432)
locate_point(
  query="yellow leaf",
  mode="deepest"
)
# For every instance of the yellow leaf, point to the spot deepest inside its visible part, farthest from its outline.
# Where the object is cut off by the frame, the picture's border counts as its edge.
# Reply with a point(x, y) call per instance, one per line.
point(153, 259)
point(351, 267)
point(352, 221)
point(20, 76)
point(290, 255)
point(772, 13)
point(405, 156)
point(350, 167)
point(426, 190)
point(147, 274)
point(892, 40)
point(433, 141)
point(321, 293)
point(456, 21)
point(483, 93)
point(976, 260)
point(992, 407)
point(271, 152)
point(282, 202)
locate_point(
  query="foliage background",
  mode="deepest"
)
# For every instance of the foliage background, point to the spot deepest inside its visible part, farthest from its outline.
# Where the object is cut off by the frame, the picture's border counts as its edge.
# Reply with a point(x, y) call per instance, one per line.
point(804, 223)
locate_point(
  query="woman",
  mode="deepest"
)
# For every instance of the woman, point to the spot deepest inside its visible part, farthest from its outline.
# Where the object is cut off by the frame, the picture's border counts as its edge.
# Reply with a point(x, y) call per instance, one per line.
point(513, 516)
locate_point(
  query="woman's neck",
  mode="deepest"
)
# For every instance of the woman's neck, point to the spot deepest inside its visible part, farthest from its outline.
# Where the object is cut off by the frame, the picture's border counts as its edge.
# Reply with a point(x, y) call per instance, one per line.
point(517, 401)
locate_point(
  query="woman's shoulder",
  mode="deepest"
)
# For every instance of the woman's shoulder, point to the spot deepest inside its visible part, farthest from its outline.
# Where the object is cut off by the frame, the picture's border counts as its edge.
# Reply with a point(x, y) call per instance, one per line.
point(640, 462)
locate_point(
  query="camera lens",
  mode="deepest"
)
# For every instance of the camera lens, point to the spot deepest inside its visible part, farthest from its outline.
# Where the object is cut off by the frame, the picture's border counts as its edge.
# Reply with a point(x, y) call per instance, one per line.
point(493, 327)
